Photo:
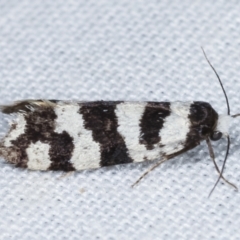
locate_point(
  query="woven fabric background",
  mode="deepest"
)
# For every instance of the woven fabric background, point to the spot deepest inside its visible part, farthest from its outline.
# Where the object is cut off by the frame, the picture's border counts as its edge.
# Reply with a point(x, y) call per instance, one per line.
point(122, 50)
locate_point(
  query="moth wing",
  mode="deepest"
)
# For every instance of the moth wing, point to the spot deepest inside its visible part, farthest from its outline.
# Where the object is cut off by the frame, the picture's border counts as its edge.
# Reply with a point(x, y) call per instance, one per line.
point(178, 134)
point(188, 125)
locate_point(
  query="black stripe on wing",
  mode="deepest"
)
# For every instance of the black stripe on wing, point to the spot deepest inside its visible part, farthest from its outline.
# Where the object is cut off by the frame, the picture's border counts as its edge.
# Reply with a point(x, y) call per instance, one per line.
point(100, 118)
point(152, 122)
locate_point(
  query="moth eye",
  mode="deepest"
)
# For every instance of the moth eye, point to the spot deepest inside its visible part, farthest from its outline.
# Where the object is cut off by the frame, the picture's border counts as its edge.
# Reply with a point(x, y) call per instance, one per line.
point(216, 135)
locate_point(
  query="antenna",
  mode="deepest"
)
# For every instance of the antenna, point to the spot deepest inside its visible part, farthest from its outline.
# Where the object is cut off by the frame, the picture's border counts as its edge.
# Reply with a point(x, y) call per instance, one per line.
point(228, 107)
point(221, 173)
point(228, 139)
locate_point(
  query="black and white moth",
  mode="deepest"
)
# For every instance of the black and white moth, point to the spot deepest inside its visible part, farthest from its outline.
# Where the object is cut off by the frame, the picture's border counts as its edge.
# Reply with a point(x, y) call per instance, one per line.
point(69, 136)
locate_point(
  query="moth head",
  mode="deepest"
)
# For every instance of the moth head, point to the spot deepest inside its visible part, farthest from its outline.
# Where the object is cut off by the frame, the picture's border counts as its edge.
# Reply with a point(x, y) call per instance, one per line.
point(222, 128)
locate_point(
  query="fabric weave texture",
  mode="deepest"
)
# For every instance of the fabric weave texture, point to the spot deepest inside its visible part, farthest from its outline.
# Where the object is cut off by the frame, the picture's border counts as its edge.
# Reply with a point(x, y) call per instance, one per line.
point(122, 50)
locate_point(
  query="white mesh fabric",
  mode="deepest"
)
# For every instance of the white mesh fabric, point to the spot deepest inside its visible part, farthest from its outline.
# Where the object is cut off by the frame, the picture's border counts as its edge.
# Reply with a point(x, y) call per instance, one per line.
point(122, 50)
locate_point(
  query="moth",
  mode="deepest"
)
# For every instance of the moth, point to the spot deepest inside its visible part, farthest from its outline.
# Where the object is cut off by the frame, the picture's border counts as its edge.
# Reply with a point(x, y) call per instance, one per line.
point(69, 136)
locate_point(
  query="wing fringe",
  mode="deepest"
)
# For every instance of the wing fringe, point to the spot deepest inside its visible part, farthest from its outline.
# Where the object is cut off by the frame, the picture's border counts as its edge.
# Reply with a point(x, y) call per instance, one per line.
point(26, 106)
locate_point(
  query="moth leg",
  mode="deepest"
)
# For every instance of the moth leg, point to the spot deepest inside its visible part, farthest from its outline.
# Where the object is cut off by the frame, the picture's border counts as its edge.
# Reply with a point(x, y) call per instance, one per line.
point(236, 115)
point(211, 152)
point(149, 170)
